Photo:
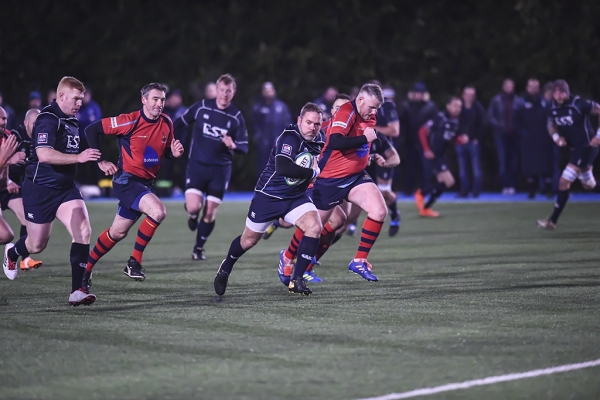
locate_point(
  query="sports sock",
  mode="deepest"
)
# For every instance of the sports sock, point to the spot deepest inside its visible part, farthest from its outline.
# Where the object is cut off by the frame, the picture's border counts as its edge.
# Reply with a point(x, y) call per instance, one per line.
point(103, 245)
point(79, 254)
point(393, 210)
point(336, 238)
point(306, 252)
point(204, 231)
point(293, 247)
point(561, 200)
point(18, 250)
point(144, 235)
point(436, 192)
point(370, 231)
point(23, 231)
point(235, 252)
point(326, 240)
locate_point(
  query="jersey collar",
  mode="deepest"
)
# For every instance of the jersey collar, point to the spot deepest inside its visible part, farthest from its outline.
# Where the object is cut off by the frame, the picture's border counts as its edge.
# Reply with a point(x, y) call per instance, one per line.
point(150, 121)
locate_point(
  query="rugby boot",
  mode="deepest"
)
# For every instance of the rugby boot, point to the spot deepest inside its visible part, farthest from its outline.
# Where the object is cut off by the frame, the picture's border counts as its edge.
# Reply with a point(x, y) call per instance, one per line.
point(285, 268)
point(28, 263)
point(309, 276)
point(362, 267)
point(394, 226)
point(546, 224)
point(429, 213)
point(9, 266)
point(134, 270)
point(270, 230)
point(80, 297)
point(298, 286)
point(220, 282)
point(198, 254)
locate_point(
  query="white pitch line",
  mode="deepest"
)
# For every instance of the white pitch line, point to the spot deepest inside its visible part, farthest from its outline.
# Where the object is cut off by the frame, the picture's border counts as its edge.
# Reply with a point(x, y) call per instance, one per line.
point(490, 380)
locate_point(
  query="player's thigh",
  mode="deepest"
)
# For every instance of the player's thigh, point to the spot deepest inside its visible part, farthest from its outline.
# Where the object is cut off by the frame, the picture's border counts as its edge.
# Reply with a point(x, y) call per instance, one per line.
point(74, 216)
point(250, 238)
point(37, 236)
point(194, 200)
point(338, 218)
point(368, 197)
point(151, 205)
point(16, 206)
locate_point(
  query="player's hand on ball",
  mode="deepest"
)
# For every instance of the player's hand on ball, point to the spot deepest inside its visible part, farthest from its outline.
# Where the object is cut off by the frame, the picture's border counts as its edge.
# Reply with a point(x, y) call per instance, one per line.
point(370, 134)
point(13, 188)
point(379, 160)
point(595, 142)
point(107, 167)
point(228, 142)
point(88, 155)
point(177, 148)
point(429, 154)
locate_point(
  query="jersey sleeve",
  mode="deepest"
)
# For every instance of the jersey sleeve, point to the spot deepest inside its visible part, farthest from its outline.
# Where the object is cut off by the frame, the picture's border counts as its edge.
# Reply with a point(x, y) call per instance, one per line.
point(287, 145)
point(240, 136)
point(383, 145)
point(44, 131)
point(189, 116)
point(391, 114)
point(120, 125)
point(341, 122)
point(585, 106)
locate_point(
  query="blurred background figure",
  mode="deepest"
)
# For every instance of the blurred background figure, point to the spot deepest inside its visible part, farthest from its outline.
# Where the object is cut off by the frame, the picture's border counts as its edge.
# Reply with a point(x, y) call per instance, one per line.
point(418, 110)
point(501, 114)
point(472, 124)
point(210, 90)
point(537, 147)
point(269, 117)
point(548, 91)
point(88, 173)
point(34, 100)
point(171, 176)
point(326, 101)
point(10, 114)
point(89, 112)
point(50, 96)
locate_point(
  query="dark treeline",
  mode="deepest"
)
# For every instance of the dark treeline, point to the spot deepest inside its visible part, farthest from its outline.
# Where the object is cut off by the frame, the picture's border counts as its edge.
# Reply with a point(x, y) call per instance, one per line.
point(116, 47)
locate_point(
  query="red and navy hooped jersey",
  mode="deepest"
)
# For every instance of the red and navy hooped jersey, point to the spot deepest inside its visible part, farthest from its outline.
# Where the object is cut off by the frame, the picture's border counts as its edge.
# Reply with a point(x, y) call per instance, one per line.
point(142, 141)
point(210, 125)
point(55, 130)
point(343, 163)
point(572, 120)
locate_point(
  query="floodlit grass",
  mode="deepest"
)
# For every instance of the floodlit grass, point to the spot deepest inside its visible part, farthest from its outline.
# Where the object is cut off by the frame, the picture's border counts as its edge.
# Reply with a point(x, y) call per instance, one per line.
point(478, 292)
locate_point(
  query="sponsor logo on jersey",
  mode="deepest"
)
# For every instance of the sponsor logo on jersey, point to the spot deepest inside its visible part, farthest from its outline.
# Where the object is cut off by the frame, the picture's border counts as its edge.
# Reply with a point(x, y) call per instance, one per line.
point(213, 132)
point(363, 150)
point(286, 149)
point(562, 121)
point(205, 116)
point(150, 157)
point(42, 138)
point(339, 123)
point(73, 142)
point(113, 122)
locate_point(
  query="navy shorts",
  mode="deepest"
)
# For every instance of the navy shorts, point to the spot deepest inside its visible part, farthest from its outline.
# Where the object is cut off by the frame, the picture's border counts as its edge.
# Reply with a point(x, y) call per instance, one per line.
point(208, 180)
point(583, 157)
point(130, 190)
point(384, 173)
point(438, 165)
point(41, 203)
point(264, 210)
point(329, 192)
point(5, 197)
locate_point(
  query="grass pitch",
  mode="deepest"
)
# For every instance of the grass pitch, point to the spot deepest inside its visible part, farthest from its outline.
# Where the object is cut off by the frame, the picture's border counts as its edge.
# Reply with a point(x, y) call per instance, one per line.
point(477, 293)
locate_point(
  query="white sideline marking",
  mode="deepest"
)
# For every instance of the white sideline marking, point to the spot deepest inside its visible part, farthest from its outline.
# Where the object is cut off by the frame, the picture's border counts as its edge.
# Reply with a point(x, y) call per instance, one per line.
point(490, 380)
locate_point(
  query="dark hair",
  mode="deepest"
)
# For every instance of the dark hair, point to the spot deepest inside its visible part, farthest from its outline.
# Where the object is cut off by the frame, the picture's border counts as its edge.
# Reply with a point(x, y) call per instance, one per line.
point(372, 89)
point(342, 96)
point(548, 86)
point(311, 107)
point(227, 79)
point(452, 98)
point(151, 86)
point(562, 85)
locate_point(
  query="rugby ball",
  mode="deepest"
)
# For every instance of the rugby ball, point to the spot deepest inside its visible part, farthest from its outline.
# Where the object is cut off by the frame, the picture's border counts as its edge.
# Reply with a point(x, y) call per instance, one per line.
point(304, 160)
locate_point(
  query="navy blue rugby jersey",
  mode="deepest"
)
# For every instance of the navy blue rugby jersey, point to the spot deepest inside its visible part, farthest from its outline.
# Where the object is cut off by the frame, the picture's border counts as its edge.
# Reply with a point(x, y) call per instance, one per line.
point(442, 130)
point(56, 130)
point(572, 120)
point(210, 124)
point(289, 144)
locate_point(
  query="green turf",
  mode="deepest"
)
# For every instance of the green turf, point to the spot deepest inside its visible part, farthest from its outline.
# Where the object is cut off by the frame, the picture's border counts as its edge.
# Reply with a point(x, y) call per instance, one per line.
point(478, 292)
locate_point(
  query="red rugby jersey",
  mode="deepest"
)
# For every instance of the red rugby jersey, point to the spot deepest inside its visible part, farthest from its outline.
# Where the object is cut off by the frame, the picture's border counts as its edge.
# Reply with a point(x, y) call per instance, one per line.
point(343, 163)
point(142, 141)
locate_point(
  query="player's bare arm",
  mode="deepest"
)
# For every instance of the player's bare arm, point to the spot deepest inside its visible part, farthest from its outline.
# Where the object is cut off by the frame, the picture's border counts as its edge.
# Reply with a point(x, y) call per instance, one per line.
point(559, 140)
point(391, 159)
point(47, 155)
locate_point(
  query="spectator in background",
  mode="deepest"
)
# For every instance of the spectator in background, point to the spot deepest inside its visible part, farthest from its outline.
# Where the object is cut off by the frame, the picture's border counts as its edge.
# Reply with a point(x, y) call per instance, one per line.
point(548, 92)
point(210, 91)
point(88, 173)
point(171, 176)
point(472, 124)
point(501, 114)
point(89, 112)
point(34, 101)
point(50, 96)
point(419, 109)
point(10, 114)
point(537, 147)
point(270, 116)
point(326, 101)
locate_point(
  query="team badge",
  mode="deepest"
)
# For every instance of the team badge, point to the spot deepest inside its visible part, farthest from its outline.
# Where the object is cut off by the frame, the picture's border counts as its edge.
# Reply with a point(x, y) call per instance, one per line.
point(286, 149)
point(164, 139)
point(42, 138)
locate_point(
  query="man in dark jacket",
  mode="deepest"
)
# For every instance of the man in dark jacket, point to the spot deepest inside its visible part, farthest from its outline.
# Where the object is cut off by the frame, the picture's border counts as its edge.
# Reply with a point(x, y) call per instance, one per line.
point(419, 109)
point(501, 113)
point(472, 124)
point(537, 147)
point(269, 117)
